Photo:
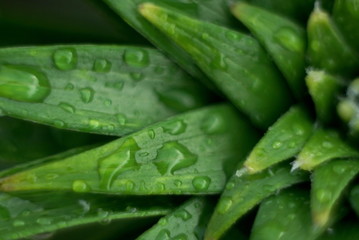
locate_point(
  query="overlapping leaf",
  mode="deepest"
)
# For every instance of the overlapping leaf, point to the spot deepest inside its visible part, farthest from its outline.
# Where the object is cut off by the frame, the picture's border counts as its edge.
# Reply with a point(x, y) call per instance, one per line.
point(92, 88)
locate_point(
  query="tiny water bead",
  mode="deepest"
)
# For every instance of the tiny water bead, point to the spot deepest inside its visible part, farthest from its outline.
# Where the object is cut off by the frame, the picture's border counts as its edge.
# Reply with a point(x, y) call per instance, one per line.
point(22, 83)
point(65, 58)
point(213, 124)
point(87, 94)
point(44, 221)
point(290, 39)
point(164, 234)
point(121, 119)
point(183, 214)
point(277, 145)
point(67, 107)
point(175, 127)
point(173, 157)
point(116, 85)
point(323, 195)
point(80, 186)
point(201, 183)
point(136, 57)
point(137, 76)
point(18, 223)
point(102, 66)
point(224, 205)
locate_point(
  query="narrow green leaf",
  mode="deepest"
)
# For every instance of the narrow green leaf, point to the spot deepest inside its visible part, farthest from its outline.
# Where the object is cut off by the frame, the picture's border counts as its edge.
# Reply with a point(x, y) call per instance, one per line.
point(323, 89)
point(283, 39)
point(324, 145)
point(90, 88)
point(346, 16)
point(328, 184)
point(348, 108)
point(282, 141)
point(215, 11)
point(354, 198)
point(244, 191)
point(234, 61)
point(284, 216)
point(327, 47)
point(192, 153)
point(187, 222)
point(33, 213)
point(342, 231)
point(287, 8)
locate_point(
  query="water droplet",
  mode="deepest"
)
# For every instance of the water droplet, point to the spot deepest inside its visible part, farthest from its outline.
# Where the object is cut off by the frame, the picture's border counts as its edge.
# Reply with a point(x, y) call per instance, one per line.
point(144, 154)
point(120, 161)
point(178, 183)
point(219, 62)
point(136, 57)
point(87, 94)
point(118, 85)
point(205, 36)
point(67, 107)
point(151, 133)
point(323, 195)
point(80, 186)
point(290, 39)
point(338, 169)
point(137, 76)
point(69, 86)
point(179, 99)
point(21, 83)
point(298, 130)
point(131, 209)
point(102, 213)
point(85, 206)
point(18, 223)
point(201, 183)
point(121, 119)
point(232, 35)
point(65, 58)
point(107, 102)
point(101, 65)
point(180, 236)
point(277, 145)
point(183, 214)
point(175, 127)
point(44, 221)
point(327, 144)
point(173, 157)
point(51, 176)
point(224, 205)
point(230, 185)
point(214, 123)
point(292, 144)
point(93, 123)
point(59, 123)
point(162, 221)
point(164, 234)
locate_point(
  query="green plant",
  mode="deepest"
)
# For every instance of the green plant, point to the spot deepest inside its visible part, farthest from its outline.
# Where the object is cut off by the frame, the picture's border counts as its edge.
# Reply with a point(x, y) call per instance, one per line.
point(216, 128)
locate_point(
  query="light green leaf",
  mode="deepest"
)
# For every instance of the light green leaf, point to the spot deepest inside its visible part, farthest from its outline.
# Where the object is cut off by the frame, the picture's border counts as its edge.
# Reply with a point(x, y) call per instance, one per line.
point(244, 191)
point(187, 222)
point(33, 213)
point(284, 40)
point(282, 141)
point(91, 88)
point(284, 216)
point(234, 61)
point(323, 145)
point(192, 153)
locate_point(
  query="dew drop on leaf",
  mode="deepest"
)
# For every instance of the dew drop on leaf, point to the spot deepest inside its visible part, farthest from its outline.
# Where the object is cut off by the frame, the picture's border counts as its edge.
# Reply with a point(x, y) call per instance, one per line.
point(101, 65)
point(224, 205)
point(164, 234)
point(183, 214)
point(289, 39)
point(201, 183)
point(136, 58)
point(65, 59)
point(67, 107)
point(175, 127)
point(80, 186)
point(87, 94)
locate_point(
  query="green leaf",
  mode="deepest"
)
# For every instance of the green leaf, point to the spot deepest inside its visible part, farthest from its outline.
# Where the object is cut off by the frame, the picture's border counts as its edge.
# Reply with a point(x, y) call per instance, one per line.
point(192, 153)
point(327, 47)
point(342, 231)
point(186, 222)
point(91, 88)
point(354, 198)
point(234, 61)
point(282, 141)
point(282, 38)
point(284, 216)
point(346, 16)
point(324, 145)
point(287, 8)
point(244, 191)
point(328, 184)
point(323, 88)
point(33, 213)
point(215, 11)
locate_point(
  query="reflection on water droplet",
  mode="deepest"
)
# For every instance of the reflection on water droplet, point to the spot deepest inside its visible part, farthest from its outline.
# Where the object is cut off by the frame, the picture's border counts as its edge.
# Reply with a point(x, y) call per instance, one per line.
point(201, 183)
point(118, 85)
point(162, 221)
point(213, 124)
point(160, 186)
point(327, 144)
point(175, 127)
point(290, 39)
point(339, 169)
point(80, 186)
point(178, 183)
point(173, 157)
point(87, 94)
point(121, 119)
point(101, 213)
point(101, 65)
point(108, 102)
point(22, 83)
point(219, 62)
point(277, 145)
point(137, 76)
point(232, 35)
point(44, 221)
point(136, 57)
point(59, 123)
point(183, 214)
point(224, 205)
point(164, 234)
point(65, 58)
point(18, 223)
point(69, 86)
point(120, 161)
point(323, 195)
point(151, 133)
point(94, 123)
point(67, 107)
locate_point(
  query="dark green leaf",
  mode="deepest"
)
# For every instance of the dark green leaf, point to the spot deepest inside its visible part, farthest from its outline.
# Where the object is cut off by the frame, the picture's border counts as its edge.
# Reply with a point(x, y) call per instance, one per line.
point(234, 61)
point(283, 39)
point(91, 88)
point(244, 191)
point(192, 153)
point(354, 198)
point(282, 141)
